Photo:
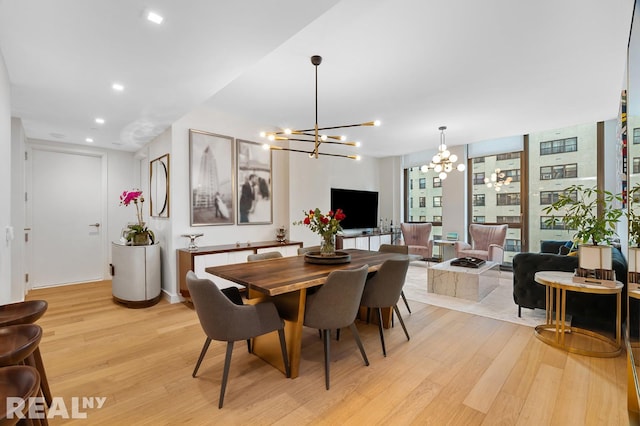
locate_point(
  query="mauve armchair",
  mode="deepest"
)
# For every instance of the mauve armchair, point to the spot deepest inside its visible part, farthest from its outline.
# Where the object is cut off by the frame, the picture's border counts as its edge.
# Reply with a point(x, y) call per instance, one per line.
point(487, 243)
point(417, 236)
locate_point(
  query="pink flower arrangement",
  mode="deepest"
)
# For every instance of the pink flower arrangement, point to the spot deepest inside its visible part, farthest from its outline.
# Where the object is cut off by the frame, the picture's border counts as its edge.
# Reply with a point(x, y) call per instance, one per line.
point(134, 196)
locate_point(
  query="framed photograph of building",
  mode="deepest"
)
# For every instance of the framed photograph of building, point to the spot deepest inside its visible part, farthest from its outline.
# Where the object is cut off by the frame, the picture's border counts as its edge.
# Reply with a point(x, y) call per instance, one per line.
point(255, 201)
point(212, 184)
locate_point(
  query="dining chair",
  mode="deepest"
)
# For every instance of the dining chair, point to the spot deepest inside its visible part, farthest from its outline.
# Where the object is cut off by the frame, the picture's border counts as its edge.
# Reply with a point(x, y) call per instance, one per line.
point(383, 289)
point(393, 248)
point(224, 321)
point(334, 306)
point(264, 256)
point(303, 250)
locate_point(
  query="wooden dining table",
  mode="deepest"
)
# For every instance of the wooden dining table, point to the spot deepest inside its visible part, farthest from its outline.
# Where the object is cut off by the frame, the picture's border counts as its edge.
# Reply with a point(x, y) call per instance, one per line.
point(284, 281)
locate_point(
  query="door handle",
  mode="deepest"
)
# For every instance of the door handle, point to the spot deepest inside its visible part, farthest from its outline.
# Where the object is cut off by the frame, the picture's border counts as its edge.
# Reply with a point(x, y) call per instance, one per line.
point(97, 225)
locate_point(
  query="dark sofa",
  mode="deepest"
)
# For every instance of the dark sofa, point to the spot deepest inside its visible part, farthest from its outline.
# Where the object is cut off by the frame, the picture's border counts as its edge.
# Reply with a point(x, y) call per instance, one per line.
point(529, 294)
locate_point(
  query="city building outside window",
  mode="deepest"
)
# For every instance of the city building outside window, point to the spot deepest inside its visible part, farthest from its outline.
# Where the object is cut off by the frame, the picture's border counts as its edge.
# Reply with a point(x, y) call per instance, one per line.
point(437, 182)
point(508, 199)
point(422, 183)
point(559, 146)
point(478, 200)
point(437, 201)
point(478, 178)
point(636, 135)
point(560, 171)
point(423, 202)
point(478, 219)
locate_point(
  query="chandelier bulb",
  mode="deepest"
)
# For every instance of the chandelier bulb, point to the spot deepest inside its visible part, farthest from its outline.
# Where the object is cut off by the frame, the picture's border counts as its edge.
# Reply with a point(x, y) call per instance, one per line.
point(438, 168)
point(461, 167)
point(436, 159)
point(271, 137)
point(424, 168)
point(453, 158)
point(448, 167)
point(442, 175)
point(263, 134)
point(497, 188)
point(287, 131)
point(358, 144)
point(445, 154)
point(323, 137)
point(376, 123)
point(266, 146)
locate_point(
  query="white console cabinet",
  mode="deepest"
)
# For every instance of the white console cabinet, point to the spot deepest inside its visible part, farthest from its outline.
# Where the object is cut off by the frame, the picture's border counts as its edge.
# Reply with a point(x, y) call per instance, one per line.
point(363, 242)
point(136, 280)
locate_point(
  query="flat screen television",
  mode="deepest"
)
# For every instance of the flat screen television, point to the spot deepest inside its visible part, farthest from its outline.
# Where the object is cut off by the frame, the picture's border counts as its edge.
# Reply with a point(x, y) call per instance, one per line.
point(360, 207)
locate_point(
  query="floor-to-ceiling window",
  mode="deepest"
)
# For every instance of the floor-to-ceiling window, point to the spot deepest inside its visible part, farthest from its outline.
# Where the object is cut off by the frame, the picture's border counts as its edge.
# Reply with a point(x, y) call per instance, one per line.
point(496, 188)
point(558, 159)
point(424, 200)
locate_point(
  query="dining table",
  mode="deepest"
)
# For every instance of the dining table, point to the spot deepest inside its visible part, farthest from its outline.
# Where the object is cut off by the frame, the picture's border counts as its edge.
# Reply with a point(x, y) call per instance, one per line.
point(285, 282)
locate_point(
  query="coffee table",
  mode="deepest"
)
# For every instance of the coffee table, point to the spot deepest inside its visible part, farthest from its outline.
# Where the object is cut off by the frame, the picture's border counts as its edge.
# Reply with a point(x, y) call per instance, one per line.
point(465, 283)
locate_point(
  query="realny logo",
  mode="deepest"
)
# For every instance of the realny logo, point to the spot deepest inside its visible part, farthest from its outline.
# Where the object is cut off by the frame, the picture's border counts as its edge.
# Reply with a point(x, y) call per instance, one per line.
point(58, 408)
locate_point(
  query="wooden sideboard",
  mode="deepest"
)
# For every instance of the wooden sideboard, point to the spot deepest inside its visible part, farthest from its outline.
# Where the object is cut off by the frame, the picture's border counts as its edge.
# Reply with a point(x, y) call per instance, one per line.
point(197, 260)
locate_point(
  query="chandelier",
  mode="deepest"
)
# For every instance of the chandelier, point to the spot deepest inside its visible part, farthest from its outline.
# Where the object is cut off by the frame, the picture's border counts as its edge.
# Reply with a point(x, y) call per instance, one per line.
point(314, 135)
point(497, 179)
point(444, 161)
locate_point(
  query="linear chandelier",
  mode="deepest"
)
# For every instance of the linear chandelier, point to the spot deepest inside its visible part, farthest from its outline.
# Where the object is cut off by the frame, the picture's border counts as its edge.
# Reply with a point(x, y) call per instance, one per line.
point(444, 161)
point(314, 135)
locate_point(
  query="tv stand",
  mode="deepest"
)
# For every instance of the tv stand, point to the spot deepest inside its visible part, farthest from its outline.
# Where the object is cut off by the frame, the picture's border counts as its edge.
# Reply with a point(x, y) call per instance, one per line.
point(368, 240)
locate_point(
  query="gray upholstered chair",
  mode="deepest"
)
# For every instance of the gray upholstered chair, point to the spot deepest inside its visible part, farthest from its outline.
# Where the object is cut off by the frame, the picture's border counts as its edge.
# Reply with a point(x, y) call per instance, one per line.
point(264, 256)
point(488, 242)
point(417, 236)
point(303, 250)
point(383, 289)
point(223, 320)
point(392, 248)
point(334, 306)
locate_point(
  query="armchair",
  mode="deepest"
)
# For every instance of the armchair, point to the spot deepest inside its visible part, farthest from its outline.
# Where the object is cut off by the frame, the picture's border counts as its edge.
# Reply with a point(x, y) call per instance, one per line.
point(487, 242)
point(417, 237)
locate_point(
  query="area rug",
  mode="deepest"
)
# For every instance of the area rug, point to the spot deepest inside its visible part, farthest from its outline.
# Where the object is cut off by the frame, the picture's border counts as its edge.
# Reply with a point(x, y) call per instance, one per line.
point(498, 304)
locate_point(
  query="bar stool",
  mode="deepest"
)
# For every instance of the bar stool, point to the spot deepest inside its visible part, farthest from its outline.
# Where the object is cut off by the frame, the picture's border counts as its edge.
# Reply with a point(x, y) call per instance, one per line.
point(28, 312)
point(21, 381)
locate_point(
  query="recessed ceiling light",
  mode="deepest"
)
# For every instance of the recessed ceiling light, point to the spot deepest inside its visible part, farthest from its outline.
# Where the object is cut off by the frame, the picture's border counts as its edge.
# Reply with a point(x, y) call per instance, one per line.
point(100, 120)
point(89, 140)
point(117, 86)
point(155, 18)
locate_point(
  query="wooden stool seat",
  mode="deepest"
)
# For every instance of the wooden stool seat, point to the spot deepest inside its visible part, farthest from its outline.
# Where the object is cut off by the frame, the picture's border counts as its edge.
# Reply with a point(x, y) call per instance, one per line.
point(18, 342)
point(26, 312)
point(19, 381)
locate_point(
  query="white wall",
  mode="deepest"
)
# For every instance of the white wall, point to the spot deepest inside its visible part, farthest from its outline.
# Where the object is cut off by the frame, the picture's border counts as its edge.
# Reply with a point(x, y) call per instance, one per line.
point(18, 214)
point(6, 291)
point(311, 182)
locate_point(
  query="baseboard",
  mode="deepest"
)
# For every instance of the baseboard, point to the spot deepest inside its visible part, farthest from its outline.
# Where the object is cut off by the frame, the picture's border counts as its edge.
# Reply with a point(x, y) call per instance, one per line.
point(172, 298)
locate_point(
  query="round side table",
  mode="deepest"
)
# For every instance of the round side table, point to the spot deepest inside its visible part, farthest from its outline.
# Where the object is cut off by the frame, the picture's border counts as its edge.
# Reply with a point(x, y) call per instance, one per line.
point(555, 328)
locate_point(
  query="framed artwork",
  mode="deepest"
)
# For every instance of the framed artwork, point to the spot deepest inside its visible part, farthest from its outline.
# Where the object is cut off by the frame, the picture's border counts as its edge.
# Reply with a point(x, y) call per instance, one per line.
point(255, 201)
point(159, 186)
point(212, 185)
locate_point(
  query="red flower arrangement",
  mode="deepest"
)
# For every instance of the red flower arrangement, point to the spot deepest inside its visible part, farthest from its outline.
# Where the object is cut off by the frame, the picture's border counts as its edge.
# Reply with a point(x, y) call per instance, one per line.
point(326, 225)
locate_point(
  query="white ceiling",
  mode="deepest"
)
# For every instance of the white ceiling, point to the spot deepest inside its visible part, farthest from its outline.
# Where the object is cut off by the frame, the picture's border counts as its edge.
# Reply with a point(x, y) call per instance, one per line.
point(485, 69)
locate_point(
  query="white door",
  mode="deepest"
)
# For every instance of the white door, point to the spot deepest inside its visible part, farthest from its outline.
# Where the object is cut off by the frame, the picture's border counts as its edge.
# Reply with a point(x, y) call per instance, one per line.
point(66, 218)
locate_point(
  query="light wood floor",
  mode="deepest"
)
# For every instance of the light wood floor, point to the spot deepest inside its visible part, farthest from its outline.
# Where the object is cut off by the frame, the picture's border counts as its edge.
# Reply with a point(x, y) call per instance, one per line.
point(458, 369)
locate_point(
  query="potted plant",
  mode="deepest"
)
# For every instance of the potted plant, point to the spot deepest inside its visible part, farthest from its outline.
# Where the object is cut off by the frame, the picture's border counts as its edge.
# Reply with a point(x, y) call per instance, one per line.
point(633, 217)
point(137, 234)
point(577, 208)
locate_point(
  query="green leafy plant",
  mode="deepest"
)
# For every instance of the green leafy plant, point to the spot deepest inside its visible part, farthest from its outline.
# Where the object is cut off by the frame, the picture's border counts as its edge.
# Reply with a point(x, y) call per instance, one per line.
point(576, 208)
point(633, 216)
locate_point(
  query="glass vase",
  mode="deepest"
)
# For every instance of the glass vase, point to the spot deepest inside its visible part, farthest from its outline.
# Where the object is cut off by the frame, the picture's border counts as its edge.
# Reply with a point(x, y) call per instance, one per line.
point(328, 245)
